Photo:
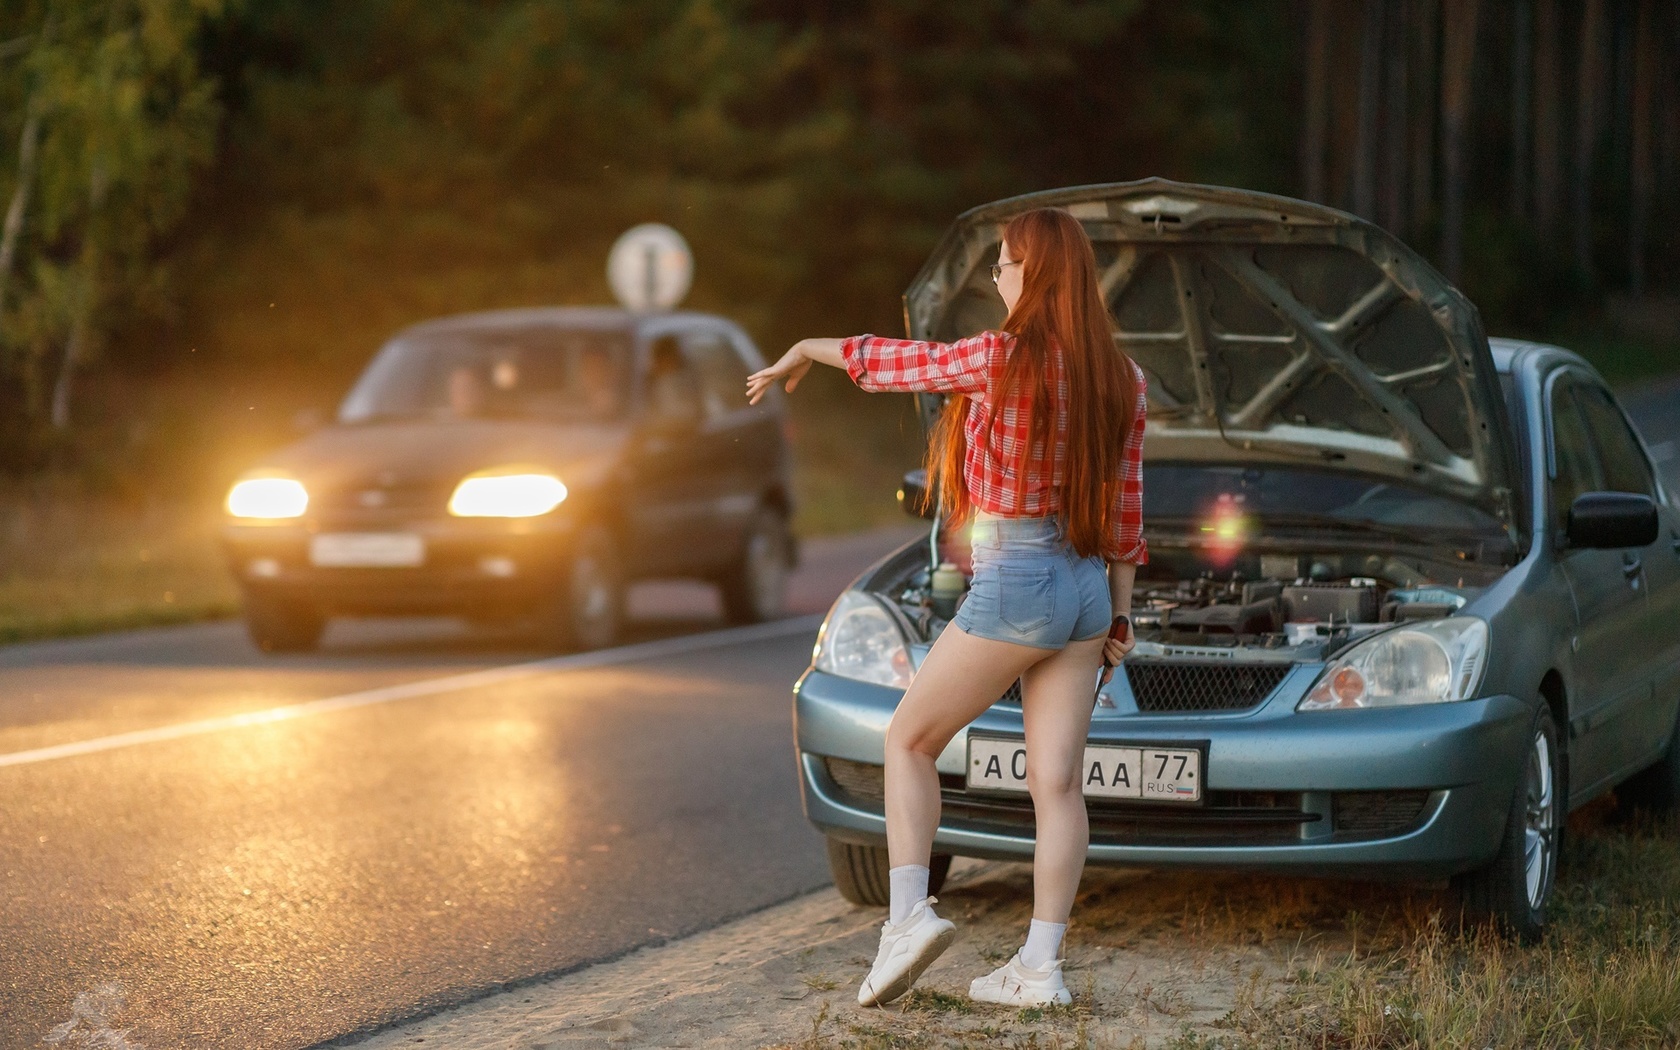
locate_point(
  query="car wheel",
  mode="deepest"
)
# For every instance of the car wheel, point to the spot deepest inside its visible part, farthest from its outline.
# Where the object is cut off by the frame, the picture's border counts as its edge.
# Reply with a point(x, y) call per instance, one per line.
point(860, 872)
point(1656, 788)
point(588, 611)
point(1514, 890)
point(754, 589)
point(278, 625)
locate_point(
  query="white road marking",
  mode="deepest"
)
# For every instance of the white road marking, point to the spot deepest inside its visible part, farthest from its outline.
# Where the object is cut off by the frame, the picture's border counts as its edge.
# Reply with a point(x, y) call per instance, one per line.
point(414, 690)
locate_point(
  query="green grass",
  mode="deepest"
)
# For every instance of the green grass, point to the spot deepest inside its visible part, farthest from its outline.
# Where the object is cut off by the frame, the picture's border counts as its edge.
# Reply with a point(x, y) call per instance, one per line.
point(76, 564)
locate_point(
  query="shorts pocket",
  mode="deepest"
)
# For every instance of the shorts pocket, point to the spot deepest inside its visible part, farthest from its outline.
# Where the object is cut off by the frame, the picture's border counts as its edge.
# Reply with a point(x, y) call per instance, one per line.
point(1026, 596)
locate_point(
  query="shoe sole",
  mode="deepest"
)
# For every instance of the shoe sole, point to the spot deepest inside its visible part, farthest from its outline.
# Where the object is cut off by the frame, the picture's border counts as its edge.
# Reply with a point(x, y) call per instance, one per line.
point(919, 962)
point(1055, 1000)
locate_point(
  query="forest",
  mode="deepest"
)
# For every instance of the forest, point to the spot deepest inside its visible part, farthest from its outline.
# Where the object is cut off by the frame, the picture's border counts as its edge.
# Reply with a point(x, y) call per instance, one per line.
point(215, 210)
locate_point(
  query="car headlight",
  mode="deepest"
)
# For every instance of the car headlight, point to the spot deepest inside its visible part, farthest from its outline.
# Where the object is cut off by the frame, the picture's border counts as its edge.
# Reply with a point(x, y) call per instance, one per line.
point(860, 639)
point(1423, 663)
point(506, 496)
point(267, 498)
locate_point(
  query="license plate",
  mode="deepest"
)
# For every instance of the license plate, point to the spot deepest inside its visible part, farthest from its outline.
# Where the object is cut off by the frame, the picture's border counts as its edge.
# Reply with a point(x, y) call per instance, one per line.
point(341, 550)
point(1149, 774)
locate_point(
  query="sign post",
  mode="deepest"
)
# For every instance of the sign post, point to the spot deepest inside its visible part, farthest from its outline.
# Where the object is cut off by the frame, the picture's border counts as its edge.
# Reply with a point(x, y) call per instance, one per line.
point(650, 267)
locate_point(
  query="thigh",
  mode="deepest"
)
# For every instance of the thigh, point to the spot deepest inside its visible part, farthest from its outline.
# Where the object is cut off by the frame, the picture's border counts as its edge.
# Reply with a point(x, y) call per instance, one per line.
point(1056, 700)
point(961, 676)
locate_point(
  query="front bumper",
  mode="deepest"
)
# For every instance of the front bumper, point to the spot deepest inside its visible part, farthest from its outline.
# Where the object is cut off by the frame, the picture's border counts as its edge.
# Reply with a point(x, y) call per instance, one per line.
point(470, 565)
point(1414, 792)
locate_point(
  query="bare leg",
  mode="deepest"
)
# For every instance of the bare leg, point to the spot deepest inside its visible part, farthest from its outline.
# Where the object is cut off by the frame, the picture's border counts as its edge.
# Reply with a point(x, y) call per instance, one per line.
point(1056, 708)
point(962, 675)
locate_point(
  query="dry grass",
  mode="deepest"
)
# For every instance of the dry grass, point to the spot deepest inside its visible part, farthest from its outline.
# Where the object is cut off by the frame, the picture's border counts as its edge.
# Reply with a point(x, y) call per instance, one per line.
point(1245, 962)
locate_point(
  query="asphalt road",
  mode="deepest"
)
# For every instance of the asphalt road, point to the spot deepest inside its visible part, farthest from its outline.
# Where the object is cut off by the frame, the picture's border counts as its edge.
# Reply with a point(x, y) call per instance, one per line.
point(258, 852)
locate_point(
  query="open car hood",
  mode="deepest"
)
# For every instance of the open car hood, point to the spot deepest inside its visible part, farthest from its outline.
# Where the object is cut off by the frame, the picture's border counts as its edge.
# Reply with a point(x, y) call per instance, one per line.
point(1271, 330)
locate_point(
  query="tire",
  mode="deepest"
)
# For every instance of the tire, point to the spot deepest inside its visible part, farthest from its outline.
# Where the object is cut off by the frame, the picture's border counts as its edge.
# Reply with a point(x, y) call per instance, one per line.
point(588, 610)
point(1656, 788)
point(754, 588)
point(1515, 889)
point(860, 872)
point(277, 625)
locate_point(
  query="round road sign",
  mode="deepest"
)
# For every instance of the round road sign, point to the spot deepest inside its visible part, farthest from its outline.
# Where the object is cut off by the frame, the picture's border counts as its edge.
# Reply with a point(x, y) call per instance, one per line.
point(650, 267)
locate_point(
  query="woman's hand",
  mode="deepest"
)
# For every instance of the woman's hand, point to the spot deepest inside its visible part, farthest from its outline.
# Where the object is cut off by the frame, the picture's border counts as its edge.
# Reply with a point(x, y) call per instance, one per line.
point(1115, 649)
point(793, 364)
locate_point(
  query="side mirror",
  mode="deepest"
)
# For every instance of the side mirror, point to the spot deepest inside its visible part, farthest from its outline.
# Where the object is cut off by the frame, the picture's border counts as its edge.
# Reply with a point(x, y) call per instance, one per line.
point(914, 497)
point(1611, 519)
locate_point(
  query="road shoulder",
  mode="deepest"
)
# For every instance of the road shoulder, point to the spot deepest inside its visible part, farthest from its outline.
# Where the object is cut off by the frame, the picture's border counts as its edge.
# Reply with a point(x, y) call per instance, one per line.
point(787, 977)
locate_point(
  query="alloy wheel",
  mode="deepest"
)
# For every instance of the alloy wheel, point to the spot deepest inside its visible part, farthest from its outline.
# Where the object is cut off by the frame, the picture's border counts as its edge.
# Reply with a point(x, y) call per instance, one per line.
point(1540, 831)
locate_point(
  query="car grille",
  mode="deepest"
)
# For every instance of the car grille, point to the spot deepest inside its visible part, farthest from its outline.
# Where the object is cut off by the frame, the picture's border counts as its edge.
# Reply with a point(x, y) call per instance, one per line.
point(1375, 814)
point(428, 498)
point(1188, 688)
point(1162, 687)
point(1228, 818)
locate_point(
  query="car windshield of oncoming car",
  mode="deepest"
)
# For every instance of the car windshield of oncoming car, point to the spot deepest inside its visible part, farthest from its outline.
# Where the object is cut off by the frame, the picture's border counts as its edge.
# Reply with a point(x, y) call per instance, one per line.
point(545, 373)
point(1204, 493)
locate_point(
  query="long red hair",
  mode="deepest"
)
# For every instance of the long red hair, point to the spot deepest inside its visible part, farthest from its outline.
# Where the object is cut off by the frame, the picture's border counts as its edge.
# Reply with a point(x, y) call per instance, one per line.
point(1060, 305)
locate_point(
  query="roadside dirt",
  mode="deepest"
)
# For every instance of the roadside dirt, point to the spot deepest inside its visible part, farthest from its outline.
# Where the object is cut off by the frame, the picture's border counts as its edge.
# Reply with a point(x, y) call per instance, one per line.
point(1154, 958)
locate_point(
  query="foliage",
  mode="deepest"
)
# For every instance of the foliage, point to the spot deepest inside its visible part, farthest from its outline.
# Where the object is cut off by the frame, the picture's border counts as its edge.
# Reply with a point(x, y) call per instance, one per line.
point(109, 94)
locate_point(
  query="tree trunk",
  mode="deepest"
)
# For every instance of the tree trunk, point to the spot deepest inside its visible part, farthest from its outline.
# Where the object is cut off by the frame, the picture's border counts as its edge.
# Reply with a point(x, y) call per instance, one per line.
point(1640, 175)
point(1458, 57)
point(1522, 43)
point(1548, 132)
point(1394, 120)
point(1316, 101)
point(1423, 125)
point(87, 300)
point(13, 230)
point(1370, 85)
point(1589, 89)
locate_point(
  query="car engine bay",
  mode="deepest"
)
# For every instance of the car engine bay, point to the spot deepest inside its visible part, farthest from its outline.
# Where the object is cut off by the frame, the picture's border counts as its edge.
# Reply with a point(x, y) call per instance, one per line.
point(1307, 605)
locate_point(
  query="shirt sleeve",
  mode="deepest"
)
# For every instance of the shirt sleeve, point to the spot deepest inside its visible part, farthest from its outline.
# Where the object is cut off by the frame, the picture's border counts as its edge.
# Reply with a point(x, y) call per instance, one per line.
point(1127, 516)
point(876, 363)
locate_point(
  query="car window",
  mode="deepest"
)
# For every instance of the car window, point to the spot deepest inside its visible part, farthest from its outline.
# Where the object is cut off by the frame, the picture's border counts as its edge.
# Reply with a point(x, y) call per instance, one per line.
point(1575, 463)
point(721, 372)
point(494, 371)
point(1619, 454)
point(672, 383)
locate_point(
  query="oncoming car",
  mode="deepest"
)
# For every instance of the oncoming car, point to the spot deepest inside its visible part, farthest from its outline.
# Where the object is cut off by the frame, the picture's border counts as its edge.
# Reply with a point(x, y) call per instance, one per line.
point(524, 463)
point(1411, 594)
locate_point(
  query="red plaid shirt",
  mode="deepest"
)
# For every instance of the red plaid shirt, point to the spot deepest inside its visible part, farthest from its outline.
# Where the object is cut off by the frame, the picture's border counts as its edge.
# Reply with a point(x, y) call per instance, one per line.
point(968, 366)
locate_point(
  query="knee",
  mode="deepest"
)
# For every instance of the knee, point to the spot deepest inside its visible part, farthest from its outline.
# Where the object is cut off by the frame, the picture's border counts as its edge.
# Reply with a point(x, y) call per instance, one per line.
point(1048, 782)
point(918, 740)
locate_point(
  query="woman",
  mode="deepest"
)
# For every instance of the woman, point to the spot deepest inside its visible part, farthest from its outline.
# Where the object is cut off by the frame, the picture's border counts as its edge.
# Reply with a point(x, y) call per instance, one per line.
point(1046, 449)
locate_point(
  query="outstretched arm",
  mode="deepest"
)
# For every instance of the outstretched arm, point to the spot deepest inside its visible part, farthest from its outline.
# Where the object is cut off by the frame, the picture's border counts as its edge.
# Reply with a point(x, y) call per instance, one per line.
point(876, 363)
point(794, 364)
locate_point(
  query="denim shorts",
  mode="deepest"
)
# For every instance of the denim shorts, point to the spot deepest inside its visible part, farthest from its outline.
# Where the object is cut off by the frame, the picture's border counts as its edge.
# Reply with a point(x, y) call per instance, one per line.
point(1030, 587)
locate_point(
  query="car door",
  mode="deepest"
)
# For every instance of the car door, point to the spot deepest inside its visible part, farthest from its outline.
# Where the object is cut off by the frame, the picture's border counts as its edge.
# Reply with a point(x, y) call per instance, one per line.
point(727, 436)
point(1642, 728)
point(668, 502)
point(1608, 589)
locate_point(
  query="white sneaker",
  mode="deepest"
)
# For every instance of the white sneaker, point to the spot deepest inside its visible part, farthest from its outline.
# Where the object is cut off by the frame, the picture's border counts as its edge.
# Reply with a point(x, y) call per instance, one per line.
point(1016, 984)
point(906, 950)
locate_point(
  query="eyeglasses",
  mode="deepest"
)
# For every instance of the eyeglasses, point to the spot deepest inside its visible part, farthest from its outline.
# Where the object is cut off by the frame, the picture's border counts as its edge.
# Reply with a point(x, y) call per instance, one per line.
point(997, 268)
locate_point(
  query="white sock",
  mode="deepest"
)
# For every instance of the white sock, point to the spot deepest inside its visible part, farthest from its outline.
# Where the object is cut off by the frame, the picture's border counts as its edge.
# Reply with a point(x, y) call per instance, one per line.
point(909, 884)
point(1044, 940)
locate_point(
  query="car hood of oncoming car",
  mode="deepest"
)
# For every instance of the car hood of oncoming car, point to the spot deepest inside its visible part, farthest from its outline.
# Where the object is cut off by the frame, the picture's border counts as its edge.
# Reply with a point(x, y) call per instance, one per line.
point(408, 453)
point(1271, 330)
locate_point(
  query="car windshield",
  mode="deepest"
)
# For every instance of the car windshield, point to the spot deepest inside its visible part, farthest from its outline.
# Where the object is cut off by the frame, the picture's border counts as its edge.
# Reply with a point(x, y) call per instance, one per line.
point(504, 372)
point(1204, 494)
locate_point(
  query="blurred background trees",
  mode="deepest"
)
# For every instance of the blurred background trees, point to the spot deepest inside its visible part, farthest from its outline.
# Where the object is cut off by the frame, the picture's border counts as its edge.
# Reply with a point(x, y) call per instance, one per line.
point(239, 202)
